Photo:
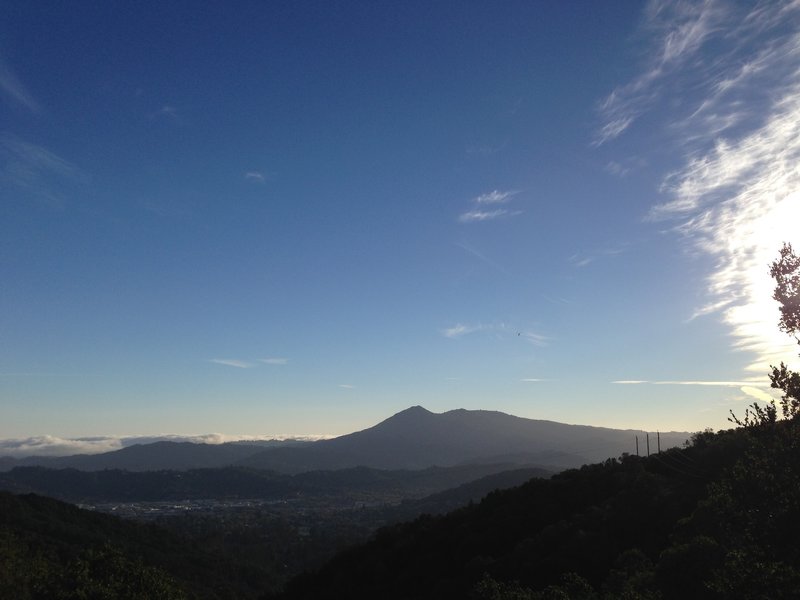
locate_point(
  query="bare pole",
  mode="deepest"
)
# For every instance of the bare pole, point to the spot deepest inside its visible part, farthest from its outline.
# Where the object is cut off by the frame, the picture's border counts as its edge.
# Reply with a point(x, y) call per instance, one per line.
point(648, 443)
point(637, 444)
point(658, 433)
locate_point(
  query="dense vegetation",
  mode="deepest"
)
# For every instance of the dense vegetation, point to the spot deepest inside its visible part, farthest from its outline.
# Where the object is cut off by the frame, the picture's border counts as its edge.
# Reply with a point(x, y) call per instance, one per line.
point(359, 483)
point(717, 519)
point(49, 549)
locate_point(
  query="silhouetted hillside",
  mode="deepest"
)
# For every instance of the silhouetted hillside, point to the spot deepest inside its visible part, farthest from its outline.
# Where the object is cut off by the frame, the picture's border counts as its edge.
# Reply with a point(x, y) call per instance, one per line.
point(412, 439)
point(49, 549)
point(716, 520)
point(417, 438)
point(237, 482)
point(152, 457)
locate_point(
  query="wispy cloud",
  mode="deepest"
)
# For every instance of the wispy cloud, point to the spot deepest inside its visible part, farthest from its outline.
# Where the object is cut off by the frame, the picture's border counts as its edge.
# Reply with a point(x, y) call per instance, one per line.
point(167, 111)
point(483, 258)
point(533, 380)
point(36, 171)
point(255, 176)
point(499, 330)
point(347, 386)
point(534, 338)
point(735, 198)
point(275, 360)
point(460, 329)
point(580, 259)
point(232, 362)
point(677, 30)
point(753, 389)
point(14, 90)
point(690, 382)
point(479, 213)
point(249, 364)
point(494, 197)
point(474, 215)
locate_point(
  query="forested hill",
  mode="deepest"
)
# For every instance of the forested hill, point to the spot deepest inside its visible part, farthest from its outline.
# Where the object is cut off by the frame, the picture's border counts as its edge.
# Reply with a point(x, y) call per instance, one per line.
point(52, 550)
point(716, 520)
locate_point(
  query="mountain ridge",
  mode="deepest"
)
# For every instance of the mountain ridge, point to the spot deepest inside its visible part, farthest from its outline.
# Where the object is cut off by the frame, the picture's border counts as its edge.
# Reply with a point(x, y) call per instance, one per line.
point(414, 438)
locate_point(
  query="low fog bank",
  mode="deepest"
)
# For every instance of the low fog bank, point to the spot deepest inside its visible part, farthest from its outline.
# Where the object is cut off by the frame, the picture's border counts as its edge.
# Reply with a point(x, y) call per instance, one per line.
point(49, 445)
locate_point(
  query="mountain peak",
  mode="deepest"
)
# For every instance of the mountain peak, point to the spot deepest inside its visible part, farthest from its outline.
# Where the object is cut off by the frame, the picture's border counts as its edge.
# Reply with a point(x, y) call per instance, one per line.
point(415, 410)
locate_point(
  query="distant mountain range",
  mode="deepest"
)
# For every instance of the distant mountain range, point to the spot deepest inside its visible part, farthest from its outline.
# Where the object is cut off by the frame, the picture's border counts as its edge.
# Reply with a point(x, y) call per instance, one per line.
point(412, 439)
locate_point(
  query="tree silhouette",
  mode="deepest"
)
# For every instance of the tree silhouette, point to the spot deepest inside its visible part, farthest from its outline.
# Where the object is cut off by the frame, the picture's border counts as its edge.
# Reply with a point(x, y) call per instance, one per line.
point(786, 273)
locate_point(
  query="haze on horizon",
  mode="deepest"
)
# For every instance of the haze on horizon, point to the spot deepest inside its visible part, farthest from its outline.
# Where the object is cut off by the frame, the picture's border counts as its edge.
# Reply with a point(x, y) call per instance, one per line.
point(306, 217)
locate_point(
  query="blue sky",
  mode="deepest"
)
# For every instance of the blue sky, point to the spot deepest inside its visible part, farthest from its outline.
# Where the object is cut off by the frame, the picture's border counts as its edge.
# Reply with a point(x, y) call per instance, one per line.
point(302, 217)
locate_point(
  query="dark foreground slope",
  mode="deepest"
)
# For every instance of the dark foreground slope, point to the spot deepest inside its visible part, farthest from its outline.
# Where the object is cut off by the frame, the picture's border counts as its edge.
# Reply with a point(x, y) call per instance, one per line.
point(716, 520)
point(51, 550)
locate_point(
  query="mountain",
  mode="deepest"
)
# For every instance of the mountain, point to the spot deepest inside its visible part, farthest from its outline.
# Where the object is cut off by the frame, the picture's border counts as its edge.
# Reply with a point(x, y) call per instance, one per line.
point(417, 438)
point(412, 439)
point(152, 457)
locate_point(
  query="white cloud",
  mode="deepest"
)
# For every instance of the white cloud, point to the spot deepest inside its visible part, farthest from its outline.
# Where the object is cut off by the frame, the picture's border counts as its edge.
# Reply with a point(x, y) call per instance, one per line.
point(494, 197)
point(232, 362)
point(347, 386)
point(255, 176)
point(460, 329)
point(275, 360)
point(734, 112)
point(756, 393)
point(474, 215)
point(738, 384)
point(535, 338)
point(579, 260)
point(678, 30)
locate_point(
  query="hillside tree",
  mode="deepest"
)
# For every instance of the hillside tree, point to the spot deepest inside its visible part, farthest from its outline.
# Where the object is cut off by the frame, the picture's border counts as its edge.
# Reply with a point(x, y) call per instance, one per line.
point(786, 273)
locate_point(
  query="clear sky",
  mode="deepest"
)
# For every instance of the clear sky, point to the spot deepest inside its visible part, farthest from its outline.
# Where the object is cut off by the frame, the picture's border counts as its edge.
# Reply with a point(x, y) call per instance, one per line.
point(257, 218)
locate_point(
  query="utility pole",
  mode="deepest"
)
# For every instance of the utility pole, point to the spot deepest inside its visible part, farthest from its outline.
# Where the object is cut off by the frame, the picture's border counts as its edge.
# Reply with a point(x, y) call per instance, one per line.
point(637, 444)
point(658, 433)
point(648, 443)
